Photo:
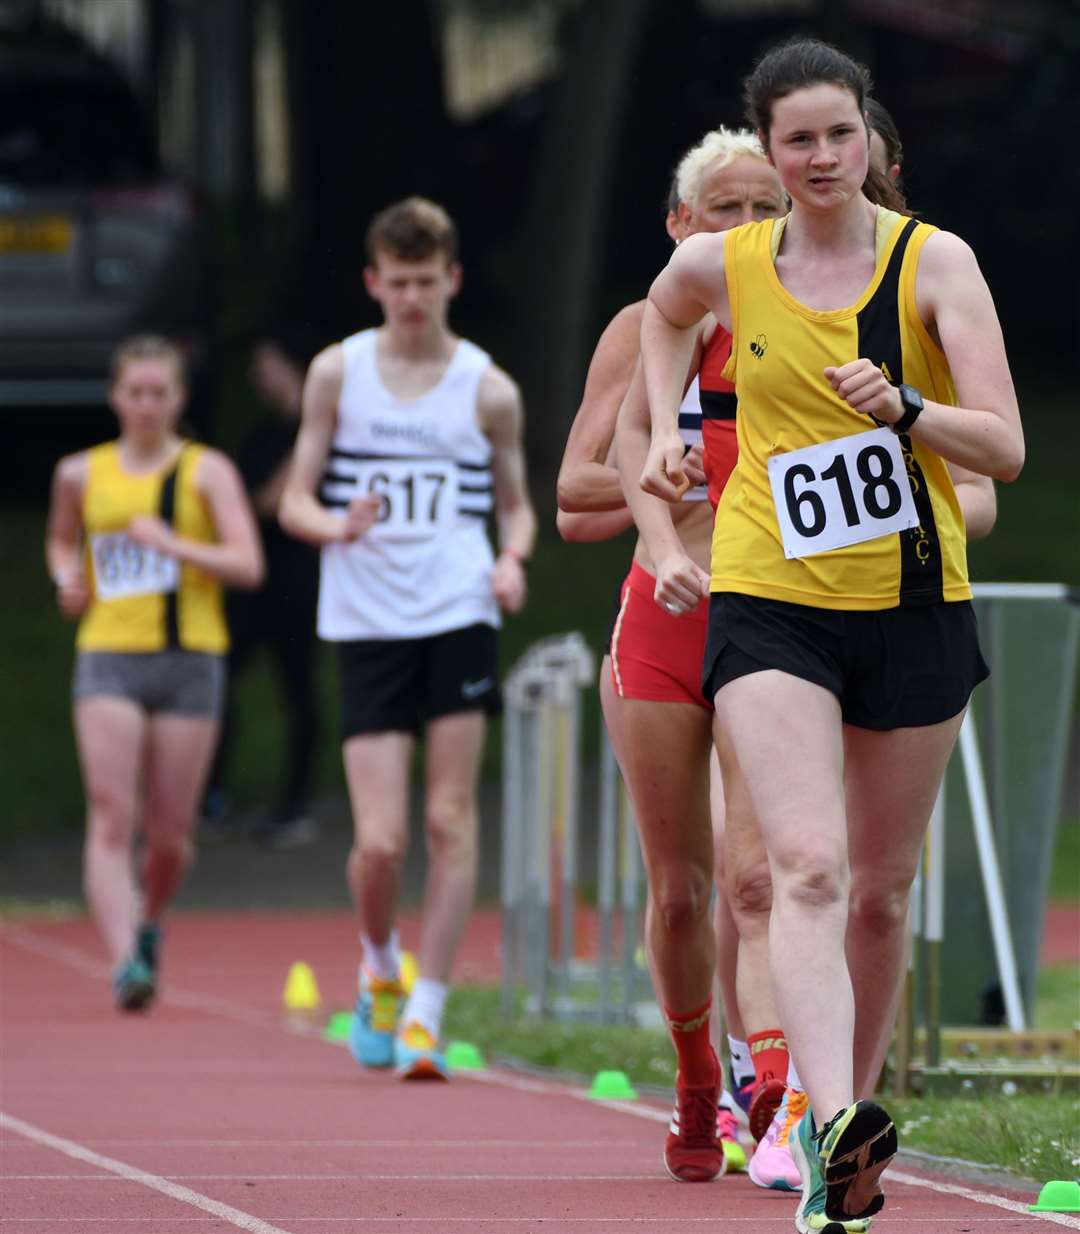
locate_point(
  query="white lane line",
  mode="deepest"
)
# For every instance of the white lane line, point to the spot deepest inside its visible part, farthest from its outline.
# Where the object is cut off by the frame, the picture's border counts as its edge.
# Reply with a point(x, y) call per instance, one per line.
point(981, 1197)
point(470, 1146)
point(665, 1221)
point(315, 1178)
point(84, 963)
point(223, 1212)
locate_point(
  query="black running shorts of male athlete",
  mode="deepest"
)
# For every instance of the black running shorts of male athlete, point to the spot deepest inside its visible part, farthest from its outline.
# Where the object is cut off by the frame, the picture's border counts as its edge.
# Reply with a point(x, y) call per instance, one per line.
point(889, 668)
point(400, 685)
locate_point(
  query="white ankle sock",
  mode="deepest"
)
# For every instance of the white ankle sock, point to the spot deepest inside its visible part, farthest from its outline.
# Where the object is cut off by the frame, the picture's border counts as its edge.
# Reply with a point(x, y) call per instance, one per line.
point(382, 960)
point(425, 1005)
point(742, 1065)
point(793, 1080)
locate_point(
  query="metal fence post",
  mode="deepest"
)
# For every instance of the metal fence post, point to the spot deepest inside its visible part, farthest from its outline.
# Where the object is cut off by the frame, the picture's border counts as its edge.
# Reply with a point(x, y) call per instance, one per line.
point(607, 866)
point(511, 859)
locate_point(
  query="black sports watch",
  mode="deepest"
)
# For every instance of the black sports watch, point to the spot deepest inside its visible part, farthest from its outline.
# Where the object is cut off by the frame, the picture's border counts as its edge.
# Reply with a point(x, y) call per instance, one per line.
point(912, 402)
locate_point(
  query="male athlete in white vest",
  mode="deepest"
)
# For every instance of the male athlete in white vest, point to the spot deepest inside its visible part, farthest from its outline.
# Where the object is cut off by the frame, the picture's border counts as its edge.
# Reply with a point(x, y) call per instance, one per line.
point(410, 438)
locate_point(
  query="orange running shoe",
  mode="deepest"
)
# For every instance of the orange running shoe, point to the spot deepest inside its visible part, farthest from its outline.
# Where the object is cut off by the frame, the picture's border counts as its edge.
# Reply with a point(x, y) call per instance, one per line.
point(416, 1054)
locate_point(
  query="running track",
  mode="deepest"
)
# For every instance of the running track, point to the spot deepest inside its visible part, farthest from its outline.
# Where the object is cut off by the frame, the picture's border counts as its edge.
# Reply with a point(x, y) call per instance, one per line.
point(213, 1113)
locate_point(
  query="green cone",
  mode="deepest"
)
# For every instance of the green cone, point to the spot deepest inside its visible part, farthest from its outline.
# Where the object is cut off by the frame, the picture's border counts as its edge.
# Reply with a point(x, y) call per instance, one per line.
point(463, 1056)
point(1058, 1196)
point(612, 1086)
point(337, 1027)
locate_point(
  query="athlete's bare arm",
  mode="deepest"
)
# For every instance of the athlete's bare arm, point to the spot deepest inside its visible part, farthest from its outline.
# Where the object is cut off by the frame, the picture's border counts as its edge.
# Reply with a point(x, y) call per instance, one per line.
point(983, 433)
point(680, 582)
point(64, 536)
point(502, 420)
point(300, 513)
point(588, 481)
point(590, 526)
point(691, 284)
point(236, 557)
point(978, 501)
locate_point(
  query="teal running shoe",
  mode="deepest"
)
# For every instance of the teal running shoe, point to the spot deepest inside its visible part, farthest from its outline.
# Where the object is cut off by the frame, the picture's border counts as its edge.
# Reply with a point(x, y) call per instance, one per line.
point(147, 945)
point(374, 1022)
point(810, 1216)
point(134, 986)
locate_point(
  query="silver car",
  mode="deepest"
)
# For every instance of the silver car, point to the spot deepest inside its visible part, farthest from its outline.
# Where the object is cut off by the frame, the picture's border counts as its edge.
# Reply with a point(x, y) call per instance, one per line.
point(95, 243)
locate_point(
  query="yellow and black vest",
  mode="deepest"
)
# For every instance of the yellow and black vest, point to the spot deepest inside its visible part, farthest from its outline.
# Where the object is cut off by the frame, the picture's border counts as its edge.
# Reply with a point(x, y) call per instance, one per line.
point(142, 602)
point(779, 352)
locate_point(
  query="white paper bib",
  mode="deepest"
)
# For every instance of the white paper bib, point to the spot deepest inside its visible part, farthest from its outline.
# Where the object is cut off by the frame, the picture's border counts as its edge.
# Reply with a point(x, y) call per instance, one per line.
point(124, 568)
point(841, 492)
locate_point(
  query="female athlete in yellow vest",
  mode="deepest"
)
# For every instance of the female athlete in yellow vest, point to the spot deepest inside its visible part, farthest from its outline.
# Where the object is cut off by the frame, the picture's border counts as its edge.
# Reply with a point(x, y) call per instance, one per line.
point(143, 532)
point(842, 649)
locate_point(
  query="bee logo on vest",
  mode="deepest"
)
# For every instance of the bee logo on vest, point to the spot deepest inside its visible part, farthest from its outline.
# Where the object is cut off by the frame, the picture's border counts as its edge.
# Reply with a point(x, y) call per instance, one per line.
point(758, 345)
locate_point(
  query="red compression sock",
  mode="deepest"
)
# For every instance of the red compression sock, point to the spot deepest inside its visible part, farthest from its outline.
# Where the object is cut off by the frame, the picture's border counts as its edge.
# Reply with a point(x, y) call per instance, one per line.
point(770, 1054)
point(690, 1033)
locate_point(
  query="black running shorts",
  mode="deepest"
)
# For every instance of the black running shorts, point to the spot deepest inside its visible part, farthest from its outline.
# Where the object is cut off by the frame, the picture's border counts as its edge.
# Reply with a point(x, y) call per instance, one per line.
point(399, 685)
point(890, 668)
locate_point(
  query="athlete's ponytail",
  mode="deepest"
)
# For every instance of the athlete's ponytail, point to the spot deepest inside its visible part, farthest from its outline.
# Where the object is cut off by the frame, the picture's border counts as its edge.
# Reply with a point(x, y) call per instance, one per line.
point(878, 188)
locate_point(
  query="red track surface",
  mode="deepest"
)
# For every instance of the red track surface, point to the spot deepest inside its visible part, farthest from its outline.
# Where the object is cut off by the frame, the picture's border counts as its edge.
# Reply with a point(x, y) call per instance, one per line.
point(211, 1113)
point(1061, 934)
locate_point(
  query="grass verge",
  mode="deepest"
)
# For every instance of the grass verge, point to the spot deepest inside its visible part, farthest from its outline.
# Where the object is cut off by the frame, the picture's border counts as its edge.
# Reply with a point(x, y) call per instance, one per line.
point(1032, 1135)
point(1058, 998)
point(1065, 871)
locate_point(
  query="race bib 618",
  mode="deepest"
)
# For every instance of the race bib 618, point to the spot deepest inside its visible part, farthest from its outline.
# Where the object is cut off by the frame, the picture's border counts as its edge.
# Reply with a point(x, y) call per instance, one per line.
point(841, 492)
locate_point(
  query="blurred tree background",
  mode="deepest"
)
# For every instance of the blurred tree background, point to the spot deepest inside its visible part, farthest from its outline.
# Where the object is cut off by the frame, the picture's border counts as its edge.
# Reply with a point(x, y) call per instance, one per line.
point(549, 129)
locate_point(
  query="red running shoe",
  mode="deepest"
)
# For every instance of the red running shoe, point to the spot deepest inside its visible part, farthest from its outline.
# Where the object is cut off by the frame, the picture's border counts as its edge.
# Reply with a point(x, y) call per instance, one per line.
point(768, 1094)
point(693, 1152)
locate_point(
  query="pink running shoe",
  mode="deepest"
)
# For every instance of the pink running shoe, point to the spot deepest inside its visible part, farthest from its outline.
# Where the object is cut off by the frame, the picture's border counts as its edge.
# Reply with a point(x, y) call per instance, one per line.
point(772, 1165)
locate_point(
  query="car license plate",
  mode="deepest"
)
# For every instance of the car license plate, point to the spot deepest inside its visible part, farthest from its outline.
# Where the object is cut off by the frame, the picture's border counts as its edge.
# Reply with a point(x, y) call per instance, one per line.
point(43, 234)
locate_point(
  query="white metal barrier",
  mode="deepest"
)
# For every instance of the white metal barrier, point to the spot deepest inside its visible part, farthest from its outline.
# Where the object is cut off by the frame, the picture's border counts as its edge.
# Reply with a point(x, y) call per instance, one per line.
point(543, 897)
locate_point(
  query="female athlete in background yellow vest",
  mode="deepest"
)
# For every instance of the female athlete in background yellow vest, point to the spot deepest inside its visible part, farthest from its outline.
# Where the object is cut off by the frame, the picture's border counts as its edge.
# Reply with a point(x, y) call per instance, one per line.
point(842, 649)
point(143, 532)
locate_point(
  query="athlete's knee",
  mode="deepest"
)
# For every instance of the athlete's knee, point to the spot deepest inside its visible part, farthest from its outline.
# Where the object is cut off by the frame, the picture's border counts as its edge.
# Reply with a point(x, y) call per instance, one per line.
point(814, 879)
point(750, 890)
point(110, 818)
point(378, 854)
point(450, 827)
point(167, 845)
point(681, 898)
point(880, 906)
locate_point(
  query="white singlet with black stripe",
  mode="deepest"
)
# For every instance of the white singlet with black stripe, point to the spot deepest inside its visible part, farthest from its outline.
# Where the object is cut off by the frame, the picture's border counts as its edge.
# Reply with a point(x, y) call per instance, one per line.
point(425, 566)
point(690, 432)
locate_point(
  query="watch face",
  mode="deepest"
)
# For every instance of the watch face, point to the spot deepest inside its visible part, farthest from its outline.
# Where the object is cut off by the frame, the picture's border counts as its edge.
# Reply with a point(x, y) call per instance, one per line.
point(911, 398)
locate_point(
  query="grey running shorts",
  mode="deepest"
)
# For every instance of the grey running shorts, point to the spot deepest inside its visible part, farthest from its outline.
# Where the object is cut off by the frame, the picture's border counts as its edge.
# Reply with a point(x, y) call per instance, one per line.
point(187, 682)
